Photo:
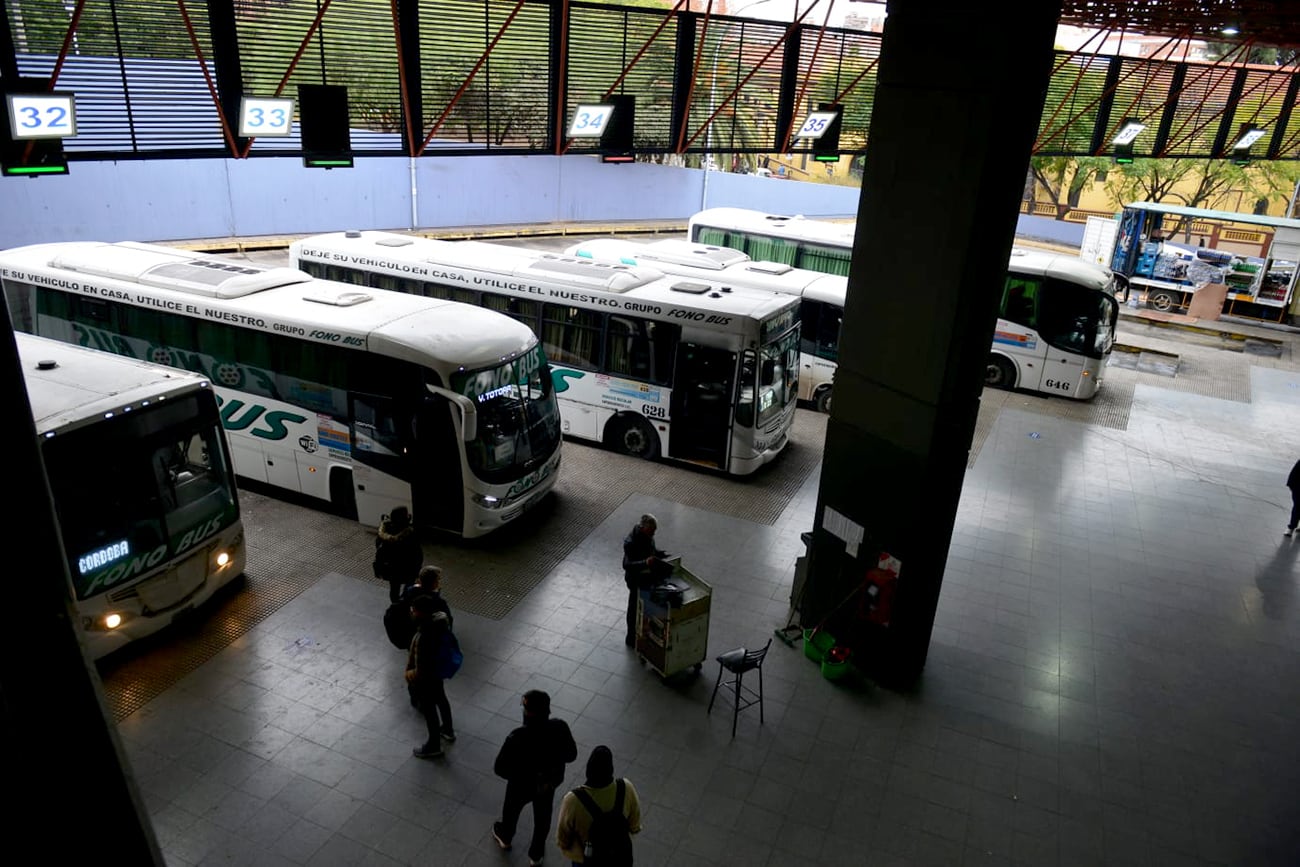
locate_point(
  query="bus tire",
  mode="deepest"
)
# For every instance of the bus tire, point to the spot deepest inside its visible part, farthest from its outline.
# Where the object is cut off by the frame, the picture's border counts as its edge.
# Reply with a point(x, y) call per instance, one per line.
point(343, 497)
point(632, 435)
point(1000, 373)
point(1162, 300)
point(823, 399)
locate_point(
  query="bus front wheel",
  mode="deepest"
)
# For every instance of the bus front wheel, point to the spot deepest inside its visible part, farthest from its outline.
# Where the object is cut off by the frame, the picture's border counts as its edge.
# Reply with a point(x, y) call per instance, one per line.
point(824, 400)
point(632, 435)
point(1162, 301)
point(1000, 373)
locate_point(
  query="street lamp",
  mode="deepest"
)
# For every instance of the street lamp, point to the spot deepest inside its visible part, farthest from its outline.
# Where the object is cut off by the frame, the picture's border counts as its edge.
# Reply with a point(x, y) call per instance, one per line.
point(713, 83)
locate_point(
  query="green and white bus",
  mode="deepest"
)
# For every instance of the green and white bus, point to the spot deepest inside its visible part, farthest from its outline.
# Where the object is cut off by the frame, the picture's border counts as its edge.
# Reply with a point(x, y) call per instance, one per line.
point(142, 483)
point(1056, 320)
point(365, 399)
point(649, 365)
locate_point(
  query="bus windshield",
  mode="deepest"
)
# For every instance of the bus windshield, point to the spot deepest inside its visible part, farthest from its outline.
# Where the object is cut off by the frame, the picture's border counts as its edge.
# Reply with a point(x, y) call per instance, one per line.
point(778, 376)
point(164, 483)
point(518, 418)
point(1076, 318)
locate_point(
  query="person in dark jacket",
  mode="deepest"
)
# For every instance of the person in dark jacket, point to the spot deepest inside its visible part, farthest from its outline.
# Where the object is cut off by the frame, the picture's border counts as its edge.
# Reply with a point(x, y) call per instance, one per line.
point(532, 761)
point(424, 667)
point(397, 552)
point(642, 564)
point(1293, 482)
point(430, 584)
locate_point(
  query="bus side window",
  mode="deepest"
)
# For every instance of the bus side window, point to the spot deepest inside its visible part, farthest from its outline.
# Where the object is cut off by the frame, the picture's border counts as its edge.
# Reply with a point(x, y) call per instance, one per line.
point(809, 316)
point(1020, 301)
point(19, 295)
point(828, 332)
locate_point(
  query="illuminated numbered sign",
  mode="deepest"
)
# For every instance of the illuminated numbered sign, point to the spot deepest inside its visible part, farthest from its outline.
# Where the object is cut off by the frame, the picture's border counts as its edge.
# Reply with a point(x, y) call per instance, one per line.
point(41, 115)
point(265, 116)
point(1129, 132)
point(816, 124)
point(590, 121)
point(1248, 139)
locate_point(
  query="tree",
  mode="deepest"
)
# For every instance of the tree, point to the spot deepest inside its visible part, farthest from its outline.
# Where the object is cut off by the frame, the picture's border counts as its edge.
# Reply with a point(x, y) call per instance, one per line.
point(1065, 177)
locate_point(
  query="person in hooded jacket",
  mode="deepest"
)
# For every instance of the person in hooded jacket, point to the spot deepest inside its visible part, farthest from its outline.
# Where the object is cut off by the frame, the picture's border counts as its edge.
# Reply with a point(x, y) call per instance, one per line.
point(397, 552)
point(532, 761)
point(424, 666)
point(573, 830)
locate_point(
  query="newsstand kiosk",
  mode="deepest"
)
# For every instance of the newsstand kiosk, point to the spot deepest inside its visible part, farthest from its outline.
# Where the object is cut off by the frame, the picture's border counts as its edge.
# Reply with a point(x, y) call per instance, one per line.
point(672, 622)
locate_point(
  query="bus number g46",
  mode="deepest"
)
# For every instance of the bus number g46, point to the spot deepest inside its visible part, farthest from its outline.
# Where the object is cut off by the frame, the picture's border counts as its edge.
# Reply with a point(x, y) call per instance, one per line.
point(650, 410)
point(1058, 384)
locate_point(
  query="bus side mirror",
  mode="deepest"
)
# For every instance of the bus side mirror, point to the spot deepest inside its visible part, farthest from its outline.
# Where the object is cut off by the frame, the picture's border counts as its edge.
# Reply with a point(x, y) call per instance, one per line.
point(468, 411)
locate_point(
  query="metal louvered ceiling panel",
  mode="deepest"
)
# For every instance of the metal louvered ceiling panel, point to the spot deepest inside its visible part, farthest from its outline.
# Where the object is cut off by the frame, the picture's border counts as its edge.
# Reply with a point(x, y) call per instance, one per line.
point(354, 46)
point(602, 41)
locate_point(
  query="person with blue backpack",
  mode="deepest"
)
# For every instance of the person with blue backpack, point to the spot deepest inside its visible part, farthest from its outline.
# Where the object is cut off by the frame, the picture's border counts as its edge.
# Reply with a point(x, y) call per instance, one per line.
point(598, 819)
point(434, 656)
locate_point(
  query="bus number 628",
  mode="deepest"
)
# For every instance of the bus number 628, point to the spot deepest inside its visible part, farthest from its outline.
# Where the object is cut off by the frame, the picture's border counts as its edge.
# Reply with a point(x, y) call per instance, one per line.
point(652, 411)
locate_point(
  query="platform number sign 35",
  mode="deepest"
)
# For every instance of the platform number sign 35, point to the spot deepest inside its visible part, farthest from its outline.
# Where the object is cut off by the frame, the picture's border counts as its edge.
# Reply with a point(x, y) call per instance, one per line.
point(815, 125)
point(43, 115)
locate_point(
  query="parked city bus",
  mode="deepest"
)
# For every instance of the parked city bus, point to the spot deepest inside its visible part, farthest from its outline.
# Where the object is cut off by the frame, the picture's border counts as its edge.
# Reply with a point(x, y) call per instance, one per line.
point(1056, 320)
point(1169, 253)
point(648, 365)
point(142, 483)
point(361, 398)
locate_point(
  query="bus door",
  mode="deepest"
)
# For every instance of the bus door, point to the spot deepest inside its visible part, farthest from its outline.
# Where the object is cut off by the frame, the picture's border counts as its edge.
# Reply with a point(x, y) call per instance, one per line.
point(438, 489)
point(701, 404)
point(383, 433)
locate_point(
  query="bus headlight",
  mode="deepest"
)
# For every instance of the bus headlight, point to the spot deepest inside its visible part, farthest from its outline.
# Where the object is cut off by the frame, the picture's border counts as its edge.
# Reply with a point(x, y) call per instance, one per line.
point(104, 623)
point(487, 501)
point(222, 559)
point(113, 621)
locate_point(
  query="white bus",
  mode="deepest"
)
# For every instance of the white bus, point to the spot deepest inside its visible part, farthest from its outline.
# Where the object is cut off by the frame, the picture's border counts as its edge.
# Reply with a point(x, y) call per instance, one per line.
point(1056, 322)
point(648, 365)
point(818, 351)
point(142, 483)
point(365, 399)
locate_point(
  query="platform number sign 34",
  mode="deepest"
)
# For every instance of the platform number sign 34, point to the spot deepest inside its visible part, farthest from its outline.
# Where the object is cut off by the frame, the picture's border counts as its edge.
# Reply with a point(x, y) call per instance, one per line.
point(589, 121)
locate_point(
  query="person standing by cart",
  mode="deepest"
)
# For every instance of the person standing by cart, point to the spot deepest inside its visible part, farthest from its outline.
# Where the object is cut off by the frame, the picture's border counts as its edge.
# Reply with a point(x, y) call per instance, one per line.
point(1293, 482)
point(642, 564)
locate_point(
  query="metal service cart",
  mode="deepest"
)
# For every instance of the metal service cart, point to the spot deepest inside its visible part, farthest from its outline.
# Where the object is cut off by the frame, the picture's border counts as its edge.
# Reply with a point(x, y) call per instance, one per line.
point(673, 629)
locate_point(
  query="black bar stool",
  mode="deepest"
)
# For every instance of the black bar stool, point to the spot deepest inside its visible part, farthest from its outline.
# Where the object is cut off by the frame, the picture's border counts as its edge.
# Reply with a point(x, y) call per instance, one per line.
point(738, 662)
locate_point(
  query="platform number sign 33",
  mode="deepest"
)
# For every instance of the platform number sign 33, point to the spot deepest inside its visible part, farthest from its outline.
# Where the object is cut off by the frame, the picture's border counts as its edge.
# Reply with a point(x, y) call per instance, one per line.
point(264, 116)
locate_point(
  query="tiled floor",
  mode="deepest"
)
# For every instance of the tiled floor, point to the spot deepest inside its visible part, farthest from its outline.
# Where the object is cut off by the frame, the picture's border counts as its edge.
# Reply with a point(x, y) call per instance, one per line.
point(1114, 680)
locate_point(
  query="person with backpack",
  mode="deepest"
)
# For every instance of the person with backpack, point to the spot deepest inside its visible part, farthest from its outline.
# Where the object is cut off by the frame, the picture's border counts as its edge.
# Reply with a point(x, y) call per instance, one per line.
point(434, 656)
point(397, 617)
point(532, 761)
point(598, 819)
point(397, 552)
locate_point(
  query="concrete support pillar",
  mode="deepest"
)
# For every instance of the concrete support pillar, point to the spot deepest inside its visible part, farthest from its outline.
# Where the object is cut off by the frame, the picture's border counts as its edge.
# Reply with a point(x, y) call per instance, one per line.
point(960, 94)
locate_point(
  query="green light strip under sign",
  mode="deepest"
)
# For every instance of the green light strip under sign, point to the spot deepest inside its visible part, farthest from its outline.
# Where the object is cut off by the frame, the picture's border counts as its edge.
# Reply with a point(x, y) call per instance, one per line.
point(329, 163)
point(36, 170)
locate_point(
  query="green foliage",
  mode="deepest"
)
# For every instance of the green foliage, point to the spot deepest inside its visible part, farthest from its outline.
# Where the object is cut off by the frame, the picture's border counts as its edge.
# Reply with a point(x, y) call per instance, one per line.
point(1201, 183)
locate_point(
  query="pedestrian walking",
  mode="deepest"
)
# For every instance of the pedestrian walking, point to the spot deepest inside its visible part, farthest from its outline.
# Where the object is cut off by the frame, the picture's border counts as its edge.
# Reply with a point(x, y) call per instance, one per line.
point(532, 761)
point(397, 552)
point(1293, 482)
point(598, 819)
point(643, 563)
point(428, 662)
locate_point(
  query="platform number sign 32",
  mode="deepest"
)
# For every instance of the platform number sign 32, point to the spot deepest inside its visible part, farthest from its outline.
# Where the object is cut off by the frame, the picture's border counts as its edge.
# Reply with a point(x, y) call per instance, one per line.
point(41, 115)
point(265, 116)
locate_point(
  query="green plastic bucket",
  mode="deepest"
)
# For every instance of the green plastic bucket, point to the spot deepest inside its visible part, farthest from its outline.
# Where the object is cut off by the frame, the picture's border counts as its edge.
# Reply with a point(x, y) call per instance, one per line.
point(833, 669)
point(817, 644)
